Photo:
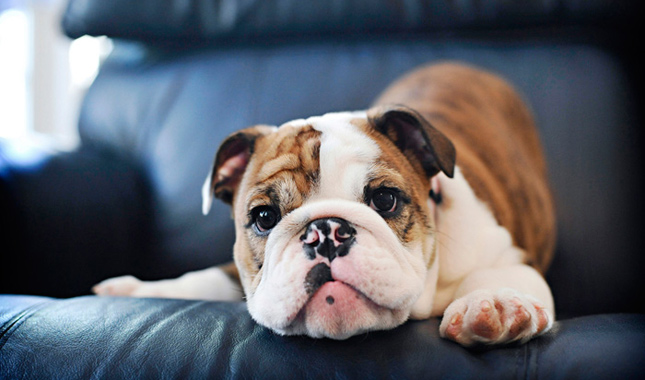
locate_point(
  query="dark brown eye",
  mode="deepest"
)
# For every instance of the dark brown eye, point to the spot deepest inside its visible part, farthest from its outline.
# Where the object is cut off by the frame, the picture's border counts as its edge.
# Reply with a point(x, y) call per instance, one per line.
point(264, 219)
point(384, 200)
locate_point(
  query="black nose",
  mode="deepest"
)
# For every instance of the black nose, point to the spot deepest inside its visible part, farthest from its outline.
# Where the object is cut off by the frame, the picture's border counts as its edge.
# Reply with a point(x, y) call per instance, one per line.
point(328, 237)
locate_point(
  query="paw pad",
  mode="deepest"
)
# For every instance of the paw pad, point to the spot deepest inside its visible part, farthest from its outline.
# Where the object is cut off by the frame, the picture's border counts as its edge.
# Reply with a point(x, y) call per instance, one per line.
point(494, 317)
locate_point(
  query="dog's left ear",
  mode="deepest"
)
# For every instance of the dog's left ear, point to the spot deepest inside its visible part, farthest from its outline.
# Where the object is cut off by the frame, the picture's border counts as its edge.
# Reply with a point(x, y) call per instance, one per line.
point(416, 137)
point(230, 163)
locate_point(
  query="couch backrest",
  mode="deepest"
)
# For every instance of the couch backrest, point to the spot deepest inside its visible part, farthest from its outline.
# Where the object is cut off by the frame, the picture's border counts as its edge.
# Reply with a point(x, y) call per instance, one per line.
point(185, 75)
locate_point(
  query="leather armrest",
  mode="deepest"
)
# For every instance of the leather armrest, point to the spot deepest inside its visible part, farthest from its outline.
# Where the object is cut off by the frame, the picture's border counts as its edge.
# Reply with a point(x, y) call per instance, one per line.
point(159, 338)
point(74, 218)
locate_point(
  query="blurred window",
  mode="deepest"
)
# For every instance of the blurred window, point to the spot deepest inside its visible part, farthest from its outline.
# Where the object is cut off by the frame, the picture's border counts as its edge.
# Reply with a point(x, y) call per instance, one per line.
point(43, 74)
point(14, 68)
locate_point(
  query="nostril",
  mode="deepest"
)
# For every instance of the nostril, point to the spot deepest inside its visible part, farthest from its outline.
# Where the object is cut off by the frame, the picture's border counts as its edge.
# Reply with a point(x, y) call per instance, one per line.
point(311, 240)
point(342, 230)
point(311, 237)
point(342, 235)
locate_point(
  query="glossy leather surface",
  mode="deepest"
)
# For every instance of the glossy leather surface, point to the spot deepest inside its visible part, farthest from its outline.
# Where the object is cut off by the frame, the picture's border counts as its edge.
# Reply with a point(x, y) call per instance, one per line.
point(91, 337)
point(128, 200)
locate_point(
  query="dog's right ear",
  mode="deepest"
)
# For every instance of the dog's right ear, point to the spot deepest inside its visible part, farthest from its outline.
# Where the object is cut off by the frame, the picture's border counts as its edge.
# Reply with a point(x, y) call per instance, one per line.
point(416, 138)
point(230, 162)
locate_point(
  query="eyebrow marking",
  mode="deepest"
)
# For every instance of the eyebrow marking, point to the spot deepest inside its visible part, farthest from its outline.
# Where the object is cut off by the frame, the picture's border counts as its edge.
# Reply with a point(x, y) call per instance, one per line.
point(280, 163)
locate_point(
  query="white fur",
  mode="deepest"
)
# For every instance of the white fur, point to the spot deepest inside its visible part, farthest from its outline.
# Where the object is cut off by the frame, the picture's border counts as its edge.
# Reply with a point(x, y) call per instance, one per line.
point(469, 238)
point(208, 284)
point(476, 263)
point(346, 155)
point(379, 267)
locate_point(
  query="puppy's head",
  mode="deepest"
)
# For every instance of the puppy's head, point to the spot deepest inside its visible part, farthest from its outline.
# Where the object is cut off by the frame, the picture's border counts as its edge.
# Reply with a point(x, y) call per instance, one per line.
point(334, 229)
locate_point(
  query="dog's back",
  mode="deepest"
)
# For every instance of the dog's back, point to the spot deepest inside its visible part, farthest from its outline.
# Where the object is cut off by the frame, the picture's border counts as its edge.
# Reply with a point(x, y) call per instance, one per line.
point(490, 126)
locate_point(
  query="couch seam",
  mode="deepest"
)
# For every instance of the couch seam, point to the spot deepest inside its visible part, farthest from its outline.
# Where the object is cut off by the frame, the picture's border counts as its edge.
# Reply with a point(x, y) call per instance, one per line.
point(531, 359)
point(14, 323)
point(520, 362)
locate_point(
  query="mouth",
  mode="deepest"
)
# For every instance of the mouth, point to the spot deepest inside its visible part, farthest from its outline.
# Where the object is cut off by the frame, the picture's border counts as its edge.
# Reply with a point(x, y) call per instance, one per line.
point(320, 276)
point(320, 284)
point(337, 311)
point(333, 309)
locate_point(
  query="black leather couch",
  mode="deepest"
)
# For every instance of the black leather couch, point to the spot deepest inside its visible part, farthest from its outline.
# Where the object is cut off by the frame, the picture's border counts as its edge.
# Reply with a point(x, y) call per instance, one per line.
point(184, 74)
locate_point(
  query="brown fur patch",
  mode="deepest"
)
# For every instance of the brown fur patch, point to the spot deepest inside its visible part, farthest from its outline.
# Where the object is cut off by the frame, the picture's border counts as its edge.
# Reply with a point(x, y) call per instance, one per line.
point(413, 223)
point(285, 170)
point(290, 166)
point(498, 147)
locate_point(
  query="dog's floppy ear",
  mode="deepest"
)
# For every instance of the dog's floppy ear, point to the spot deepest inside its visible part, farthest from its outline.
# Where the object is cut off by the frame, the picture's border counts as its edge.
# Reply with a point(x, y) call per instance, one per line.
point(416, 137)
point(230, 162)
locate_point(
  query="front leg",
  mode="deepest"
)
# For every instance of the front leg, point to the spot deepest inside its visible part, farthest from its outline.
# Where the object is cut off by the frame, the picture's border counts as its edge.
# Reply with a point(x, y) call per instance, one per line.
point(213, 284)
point(499, 305)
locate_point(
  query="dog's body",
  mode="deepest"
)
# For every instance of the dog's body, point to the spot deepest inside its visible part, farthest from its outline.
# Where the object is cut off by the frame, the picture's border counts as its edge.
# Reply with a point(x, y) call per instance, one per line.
point(352, 222)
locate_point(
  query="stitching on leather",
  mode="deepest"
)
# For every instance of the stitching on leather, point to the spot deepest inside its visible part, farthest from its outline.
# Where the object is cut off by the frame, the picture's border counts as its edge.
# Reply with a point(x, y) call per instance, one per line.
point(13, 324)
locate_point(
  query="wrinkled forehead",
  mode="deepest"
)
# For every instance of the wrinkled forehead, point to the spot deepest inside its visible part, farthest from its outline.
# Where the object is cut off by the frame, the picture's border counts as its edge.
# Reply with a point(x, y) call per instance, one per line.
point(347, 154)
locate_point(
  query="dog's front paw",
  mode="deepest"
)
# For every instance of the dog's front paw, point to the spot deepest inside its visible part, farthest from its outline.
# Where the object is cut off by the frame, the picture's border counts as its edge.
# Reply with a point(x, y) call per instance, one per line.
point(494, 317)
point(118, 286)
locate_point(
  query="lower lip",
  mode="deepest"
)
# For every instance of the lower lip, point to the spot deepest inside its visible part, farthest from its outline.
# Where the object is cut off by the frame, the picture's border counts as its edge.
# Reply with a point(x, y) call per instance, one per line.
point(336, 297)
point(338, 311)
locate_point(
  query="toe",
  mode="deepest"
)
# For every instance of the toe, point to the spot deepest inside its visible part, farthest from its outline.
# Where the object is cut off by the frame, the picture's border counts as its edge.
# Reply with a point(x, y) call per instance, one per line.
point(542, 318)
point(487, 322)
point(453, 330)
point(521, 320)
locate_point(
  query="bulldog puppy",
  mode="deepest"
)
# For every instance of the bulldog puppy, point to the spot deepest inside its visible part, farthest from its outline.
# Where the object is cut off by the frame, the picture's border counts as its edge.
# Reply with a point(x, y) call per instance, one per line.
point(434, 202)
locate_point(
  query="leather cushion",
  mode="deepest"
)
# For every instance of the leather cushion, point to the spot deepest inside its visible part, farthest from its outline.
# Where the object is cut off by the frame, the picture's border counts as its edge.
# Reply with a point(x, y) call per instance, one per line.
point(156, 338)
